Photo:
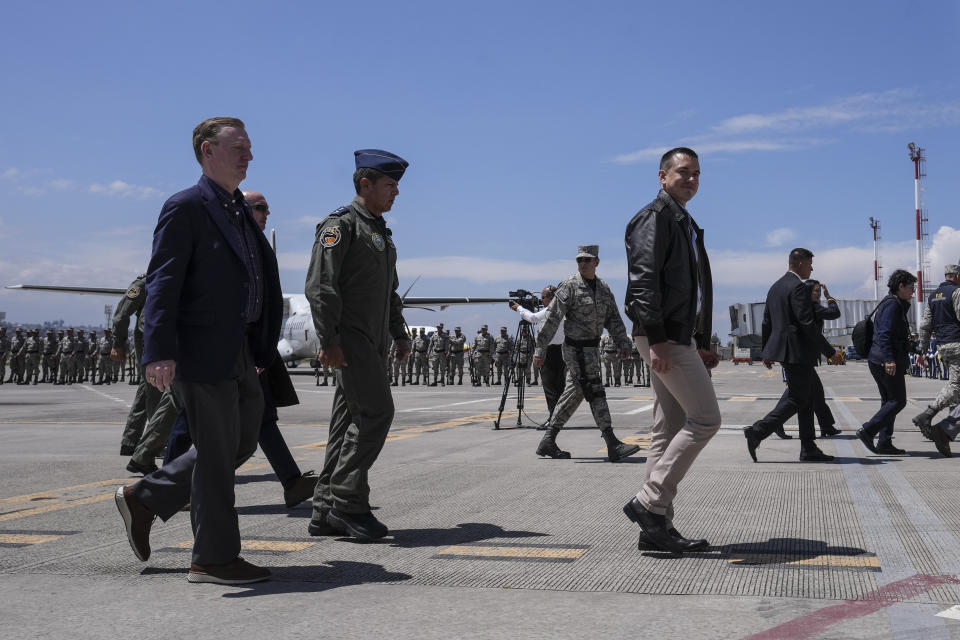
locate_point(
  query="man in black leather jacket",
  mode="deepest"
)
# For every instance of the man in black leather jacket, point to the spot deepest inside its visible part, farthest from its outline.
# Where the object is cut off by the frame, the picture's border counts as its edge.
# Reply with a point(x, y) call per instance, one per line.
point(669, 298)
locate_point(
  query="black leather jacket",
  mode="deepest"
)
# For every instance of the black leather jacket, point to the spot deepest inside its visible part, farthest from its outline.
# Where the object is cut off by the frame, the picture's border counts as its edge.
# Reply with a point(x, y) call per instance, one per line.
point(663, 273)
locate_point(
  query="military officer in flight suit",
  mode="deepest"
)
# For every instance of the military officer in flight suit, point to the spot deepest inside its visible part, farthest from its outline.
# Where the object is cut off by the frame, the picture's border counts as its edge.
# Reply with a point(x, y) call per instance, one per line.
point(352, 289)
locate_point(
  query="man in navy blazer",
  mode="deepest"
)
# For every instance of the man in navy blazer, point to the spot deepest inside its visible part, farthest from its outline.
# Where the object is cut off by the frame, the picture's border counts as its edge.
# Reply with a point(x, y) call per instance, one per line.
point(212, 317)
point(793, 337)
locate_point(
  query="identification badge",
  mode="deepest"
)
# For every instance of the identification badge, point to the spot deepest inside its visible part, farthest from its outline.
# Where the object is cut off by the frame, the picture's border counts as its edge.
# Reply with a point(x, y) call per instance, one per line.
point(378, 242)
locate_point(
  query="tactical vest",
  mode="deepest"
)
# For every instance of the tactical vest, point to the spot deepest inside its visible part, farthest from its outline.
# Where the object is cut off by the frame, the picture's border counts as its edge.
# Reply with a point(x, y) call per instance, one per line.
point(946, 326)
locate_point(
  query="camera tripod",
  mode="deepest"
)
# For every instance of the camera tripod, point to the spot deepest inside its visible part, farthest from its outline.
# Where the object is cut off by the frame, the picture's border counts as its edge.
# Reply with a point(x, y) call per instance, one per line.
point(523, 331)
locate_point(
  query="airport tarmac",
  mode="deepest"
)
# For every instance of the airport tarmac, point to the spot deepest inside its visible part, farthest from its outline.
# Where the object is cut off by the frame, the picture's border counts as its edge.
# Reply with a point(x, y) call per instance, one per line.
point(490, 541)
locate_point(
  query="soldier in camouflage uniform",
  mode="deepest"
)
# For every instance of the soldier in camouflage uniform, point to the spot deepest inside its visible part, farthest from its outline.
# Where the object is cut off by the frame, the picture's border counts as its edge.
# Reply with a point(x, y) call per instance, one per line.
point(483, 347)
point(438, 355)
point(65, 351)
point(106, 365)
point(48, 350)
point(585, 305)
point(30, 354)
point(16, 363)
point(4, 350)
point(455, 344)
point(55, 367)
point(90, 364)
point(395, 365)
point(421, 344)
point(941, 318)
point(611, 360)
point(80, 356)
point(148, 396)
point(503, 352)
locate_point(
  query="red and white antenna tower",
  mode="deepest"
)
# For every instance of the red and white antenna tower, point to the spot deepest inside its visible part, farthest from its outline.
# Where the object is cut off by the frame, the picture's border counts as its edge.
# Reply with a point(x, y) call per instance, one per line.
point(919, 166)
point(875, 225)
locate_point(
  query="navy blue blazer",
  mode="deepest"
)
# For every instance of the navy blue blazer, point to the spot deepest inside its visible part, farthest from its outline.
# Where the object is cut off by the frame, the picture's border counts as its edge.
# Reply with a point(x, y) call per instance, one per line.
point(197, 290)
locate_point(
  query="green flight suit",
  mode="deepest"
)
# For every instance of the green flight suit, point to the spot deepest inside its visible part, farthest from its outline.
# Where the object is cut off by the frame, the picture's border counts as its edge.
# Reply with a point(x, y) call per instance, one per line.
point(351, 286)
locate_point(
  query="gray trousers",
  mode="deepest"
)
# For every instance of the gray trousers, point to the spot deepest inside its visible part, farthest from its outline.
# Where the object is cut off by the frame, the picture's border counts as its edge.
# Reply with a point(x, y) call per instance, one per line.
point(144, 404)
point(573, 395)
point(685, 417)
point(157, 430)
point(950, 393)
point(224, 422)
point(359, 422)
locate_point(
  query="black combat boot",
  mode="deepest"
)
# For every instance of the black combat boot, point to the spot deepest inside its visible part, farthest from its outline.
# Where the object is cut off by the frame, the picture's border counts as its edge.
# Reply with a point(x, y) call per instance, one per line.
point(548, 446)
point(617, 450)
point(924, 421)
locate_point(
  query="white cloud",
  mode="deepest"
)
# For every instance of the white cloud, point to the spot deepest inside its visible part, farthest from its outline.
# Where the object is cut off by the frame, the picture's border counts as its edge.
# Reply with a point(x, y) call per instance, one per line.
point(61, 184)
point(780, 237)
point(10, 173)
point(121, 189)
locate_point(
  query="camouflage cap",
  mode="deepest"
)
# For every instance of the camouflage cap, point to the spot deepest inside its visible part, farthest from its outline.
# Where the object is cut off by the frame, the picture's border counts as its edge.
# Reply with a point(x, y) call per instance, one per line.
point(951, 268)
point(588, 251)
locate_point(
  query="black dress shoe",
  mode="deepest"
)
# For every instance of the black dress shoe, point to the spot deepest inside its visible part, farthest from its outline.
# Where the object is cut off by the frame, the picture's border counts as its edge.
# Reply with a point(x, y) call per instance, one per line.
point(752, 442)
point(888, 449)
point(783, 435)
point(300, 489)
point(826, 432)
point(867, 440)
point(127, 449)
point(135, 467)
point(654, 526)
point(362, 526)
point(645, 544)
point(815, 455)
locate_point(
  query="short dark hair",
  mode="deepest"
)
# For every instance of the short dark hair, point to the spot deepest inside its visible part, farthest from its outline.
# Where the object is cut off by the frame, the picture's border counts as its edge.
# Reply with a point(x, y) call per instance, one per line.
point(900, 277)
point(667, 159)
point(798, 255)
point(209, 129)
point(550, 290)
point(365, 172)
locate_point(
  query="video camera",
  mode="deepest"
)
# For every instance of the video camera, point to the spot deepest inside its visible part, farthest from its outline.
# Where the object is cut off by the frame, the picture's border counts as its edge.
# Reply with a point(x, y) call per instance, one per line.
point(525, 299)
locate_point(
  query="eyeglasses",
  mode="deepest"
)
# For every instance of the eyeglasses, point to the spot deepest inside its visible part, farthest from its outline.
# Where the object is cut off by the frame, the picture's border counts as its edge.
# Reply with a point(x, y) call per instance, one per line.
point(584, 259)
point(262, 208)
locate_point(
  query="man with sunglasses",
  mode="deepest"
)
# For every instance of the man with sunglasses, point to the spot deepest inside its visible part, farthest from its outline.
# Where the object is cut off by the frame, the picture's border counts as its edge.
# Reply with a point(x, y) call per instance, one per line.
point(586, 306)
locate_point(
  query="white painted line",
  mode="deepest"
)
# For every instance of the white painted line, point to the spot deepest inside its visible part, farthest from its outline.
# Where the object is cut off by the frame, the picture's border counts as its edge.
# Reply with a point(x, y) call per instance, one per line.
point(105, 395)
point(442, 406)
point(645, 407)
point(953, 613)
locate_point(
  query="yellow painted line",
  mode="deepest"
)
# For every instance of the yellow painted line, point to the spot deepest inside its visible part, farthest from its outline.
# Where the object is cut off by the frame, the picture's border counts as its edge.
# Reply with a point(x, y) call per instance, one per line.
point(48, 508)
point(404, 432)
point(641, 398)
point(57, 493)
point(865, 560)
point(512, 552)
point(742, 399)
point(311, 445)
point(847, 399)
point(25, 538)
point(258, 545)
point(252, 467)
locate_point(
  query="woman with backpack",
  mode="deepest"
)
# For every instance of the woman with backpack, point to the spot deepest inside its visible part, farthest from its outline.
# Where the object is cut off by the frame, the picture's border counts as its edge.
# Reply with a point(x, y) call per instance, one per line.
point(889, 360)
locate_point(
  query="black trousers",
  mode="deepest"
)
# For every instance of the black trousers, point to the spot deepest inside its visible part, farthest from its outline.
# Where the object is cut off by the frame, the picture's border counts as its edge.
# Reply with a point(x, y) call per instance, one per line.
point(820, 409)
point(553, 374)
point(799, 401)
point(893, 398)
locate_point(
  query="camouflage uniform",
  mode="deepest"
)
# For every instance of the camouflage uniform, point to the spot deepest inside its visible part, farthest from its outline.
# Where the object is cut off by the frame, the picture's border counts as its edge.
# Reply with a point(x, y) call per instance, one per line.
point(611, 360)
point(483, 346)
point(30, 354)
point(90, 362)
point(420, 346)
point(80, 356)
point(525, 358)
point(4, 350)
point(438, 355)
point(585, 312)
point(48, 348)
point(503, 352)
point(107, 366)
point(68, 345)
point(16, 362)
point(455, 346)
point(396, 366)
point(148, 396)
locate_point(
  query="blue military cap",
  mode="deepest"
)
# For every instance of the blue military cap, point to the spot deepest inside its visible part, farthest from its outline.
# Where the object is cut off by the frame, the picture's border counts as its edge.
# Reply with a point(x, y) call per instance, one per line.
point(385, 162)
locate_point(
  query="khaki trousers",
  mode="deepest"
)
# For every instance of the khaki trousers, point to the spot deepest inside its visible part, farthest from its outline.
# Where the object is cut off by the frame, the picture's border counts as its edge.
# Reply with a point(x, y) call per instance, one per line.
point(685, 417)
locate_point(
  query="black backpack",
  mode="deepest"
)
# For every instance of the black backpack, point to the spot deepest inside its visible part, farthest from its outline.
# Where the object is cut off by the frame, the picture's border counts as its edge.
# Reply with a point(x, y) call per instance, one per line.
point(863, 332)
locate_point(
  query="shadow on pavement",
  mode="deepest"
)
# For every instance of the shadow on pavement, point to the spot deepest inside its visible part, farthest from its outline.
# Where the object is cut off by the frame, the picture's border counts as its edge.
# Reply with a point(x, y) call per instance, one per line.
point(315, 578)
point(773, 551)
point(461, 534)
point(259, 477)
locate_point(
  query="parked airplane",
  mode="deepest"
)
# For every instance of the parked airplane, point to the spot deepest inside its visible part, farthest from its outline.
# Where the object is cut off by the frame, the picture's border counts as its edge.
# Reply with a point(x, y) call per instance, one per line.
point(298, 340)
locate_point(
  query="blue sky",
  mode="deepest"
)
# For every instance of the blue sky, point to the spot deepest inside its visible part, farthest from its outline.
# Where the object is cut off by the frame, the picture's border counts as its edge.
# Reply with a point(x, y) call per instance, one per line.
point(530, 128)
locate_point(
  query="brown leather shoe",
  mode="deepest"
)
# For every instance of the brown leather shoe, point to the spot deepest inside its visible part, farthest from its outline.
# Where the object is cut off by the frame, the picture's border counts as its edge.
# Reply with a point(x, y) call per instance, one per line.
point(137, 520)
point(239, 571)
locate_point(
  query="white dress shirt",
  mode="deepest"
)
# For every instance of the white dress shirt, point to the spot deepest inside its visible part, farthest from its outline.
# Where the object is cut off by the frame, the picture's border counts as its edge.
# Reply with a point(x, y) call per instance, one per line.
point(536, 318)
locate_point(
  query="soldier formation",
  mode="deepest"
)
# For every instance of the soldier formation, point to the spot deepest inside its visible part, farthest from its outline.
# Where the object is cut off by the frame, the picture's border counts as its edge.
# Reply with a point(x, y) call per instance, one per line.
point(61, 358)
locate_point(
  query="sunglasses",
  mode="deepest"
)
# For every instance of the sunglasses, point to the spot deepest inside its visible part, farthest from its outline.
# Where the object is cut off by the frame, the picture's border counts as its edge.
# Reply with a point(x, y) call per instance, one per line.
point(584, 259)
point(262, 208)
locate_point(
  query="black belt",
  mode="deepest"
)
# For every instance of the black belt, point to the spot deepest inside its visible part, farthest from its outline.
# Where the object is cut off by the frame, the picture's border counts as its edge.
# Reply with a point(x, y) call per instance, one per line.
point(483, 350)
point(592, 342)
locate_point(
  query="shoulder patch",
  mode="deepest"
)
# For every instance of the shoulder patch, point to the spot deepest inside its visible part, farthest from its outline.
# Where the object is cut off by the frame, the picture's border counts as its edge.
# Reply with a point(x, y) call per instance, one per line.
point(133, 292)
point(340, 211)
point(330, 237)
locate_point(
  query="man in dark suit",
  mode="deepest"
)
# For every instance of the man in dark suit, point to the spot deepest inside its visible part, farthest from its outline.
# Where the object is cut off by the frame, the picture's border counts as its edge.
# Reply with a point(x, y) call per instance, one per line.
point(212, 318)
point(792, 337)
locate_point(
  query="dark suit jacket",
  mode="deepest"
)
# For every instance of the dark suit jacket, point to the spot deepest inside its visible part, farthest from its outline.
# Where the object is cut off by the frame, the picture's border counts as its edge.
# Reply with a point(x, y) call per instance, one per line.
point(791, 333)
point(197, 290)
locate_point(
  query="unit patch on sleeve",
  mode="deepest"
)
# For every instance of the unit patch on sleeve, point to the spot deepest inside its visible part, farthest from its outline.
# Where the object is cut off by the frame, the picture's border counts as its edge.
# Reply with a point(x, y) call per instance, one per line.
point(330, 237)
point(133, 292)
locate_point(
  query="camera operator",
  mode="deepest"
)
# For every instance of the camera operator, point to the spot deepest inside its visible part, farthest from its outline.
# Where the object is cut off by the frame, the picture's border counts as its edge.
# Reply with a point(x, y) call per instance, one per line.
point(554, 371)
